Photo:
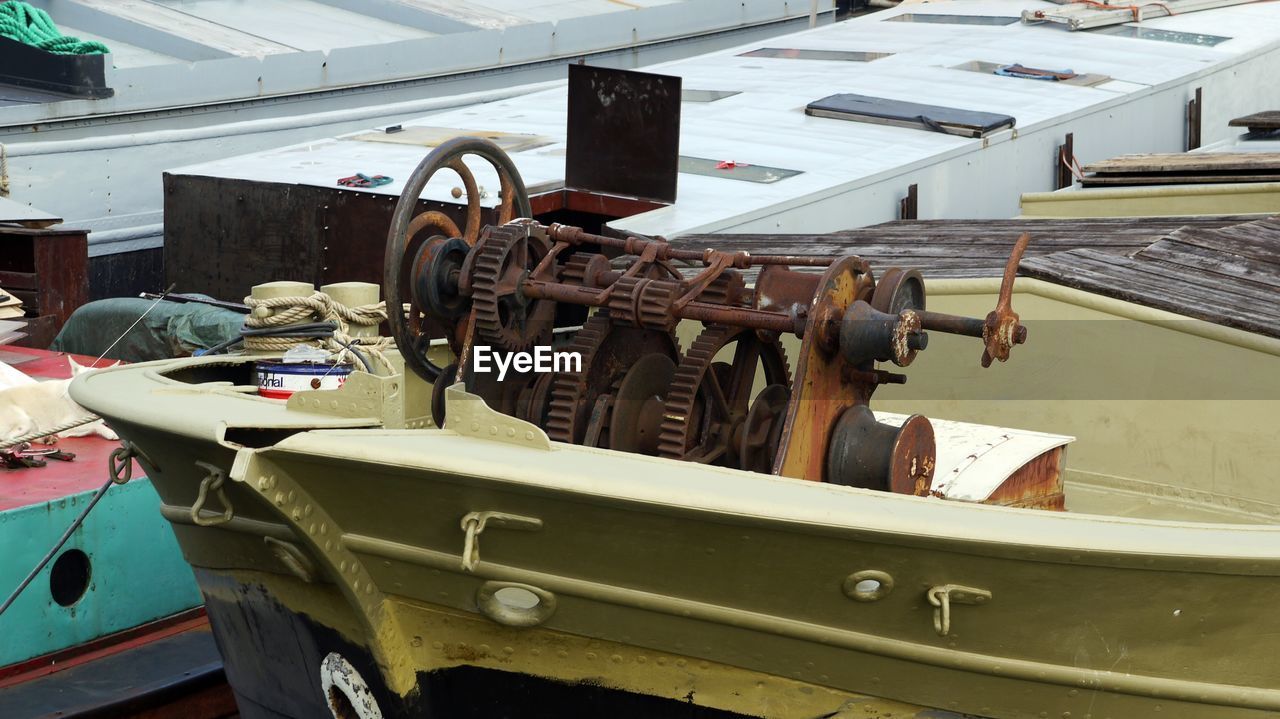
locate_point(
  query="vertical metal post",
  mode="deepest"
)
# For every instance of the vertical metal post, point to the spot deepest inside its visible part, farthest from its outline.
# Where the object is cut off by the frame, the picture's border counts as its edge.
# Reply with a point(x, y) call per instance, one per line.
point(1062, 163)
point(909, 206)
point(1195, 109)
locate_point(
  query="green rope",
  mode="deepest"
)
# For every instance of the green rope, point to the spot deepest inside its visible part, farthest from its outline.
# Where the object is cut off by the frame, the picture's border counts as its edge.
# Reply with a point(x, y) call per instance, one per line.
point(33, 26)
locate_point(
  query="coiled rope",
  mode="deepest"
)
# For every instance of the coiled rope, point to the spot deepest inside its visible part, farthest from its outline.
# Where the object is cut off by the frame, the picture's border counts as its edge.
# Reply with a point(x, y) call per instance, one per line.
point(280, 313)
point(33, 26)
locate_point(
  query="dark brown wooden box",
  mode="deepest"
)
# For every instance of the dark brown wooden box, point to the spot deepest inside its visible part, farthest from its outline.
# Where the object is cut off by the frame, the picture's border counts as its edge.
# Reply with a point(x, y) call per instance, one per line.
point(48, 269)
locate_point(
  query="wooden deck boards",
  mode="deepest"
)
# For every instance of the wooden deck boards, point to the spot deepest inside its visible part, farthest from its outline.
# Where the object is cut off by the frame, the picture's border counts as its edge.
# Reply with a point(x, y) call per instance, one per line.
point(1184, 162)
point(1229, 275)
point(1220, 269)
point(1100, 180)
point(1258, 121)
point(1183, 168)
point(961, 248)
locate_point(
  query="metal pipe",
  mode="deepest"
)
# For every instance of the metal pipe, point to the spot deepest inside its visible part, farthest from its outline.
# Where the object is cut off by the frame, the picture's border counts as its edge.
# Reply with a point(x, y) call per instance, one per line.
point(701, 311)
point(952, 324)
point(635, 245)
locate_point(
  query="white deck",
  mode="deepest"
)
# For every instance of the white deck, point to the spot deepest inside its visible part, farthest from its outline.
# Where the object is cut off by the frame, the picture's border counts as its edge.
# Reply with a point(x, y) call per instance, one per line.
point(853, 173)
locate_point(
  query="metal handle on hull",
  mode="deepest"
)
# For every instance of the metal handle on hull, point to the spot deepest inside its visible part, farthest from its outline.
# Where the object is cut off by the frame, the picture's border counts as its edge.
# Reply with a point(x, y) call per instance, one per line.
point(475, 522)
point(212, 482)
point(943, 595)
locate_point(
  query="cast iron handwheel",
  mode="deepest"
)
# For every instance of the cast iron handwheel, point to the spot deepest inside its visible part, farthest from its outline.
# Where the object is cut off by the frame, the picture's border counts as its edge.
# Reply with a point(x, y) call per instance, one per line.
point(409, 331)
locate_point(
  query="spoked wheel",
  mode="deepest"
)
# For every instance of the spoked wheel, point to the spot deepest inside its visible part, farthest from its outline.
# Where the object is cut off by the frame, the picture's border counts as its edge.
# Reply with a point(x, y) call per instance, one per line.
point(707, 417)
point(426, 251)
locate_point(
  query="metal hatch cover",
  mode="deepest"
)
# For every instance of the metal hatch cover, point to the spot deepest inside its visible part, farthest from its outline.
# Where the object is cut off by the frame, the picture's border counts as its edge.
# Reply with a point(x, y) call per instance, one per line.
point(623, 133)
point(879, 110)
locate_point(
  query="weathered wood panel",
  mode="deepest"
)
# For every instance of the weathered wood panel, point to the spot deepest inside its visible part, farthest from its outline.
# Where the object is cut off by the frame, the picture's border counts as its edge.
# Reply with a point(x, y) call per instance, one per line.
point(126, 274)
point(1230, 276)
point(961, 248)
point(1100, 180)
point(1269, 120)
point(1187, 162)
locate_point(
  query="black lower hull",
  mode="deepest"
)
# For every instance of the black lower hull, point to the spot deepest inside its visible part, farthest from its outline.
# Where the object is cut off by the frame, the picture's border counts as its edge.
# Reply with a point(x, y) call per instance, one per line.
point(273, 657)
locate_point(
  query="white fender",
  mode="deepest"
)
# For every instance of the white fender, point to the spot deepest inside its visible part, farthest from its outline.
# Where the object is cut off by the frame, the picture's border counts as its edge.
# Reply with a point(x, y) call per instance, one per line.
point(338, 677)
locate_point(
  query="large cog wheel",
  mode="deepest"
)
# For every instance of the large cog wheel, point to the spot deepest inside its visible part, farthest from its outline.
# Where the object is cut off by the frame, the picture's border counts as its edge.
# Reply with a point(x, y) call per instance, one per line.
point(608, 351)
point(504, 317)
point(709, 402)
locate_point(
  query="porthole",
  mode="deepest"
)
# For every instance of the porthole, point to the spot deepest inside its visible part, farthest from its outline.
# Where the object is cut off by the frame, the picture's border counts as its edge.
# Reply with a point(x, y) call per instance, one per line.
point(69, 577)
point(868, 585)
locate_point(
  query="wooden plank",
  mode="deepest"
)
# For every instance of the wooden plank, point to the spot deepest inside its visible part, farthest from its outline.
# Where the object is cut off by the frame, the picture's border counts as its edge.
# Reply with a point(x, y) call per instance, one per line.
point(1269, 120)
point(1188, 162)
point(62, 265)
point(40, 332)
point(1222, 264)
point(1261, 249)
point(1140, 179)
point(1155, 284)
point(963, 248)
point(18, 280)
point(1160, 279)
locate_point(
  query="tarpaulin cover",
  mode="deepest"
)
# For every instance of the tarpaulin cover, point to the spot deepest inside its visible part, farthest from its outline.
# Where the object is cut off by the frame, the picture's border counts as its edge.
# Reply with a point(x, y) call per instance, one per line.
point(172, 329)
point(929, 117)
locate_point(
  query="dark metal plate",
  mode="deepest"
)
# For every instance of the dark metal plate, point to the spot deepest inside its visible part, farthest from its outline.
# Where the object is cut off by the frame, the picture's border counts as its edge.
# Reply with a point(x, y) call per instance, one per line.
point(624, 132)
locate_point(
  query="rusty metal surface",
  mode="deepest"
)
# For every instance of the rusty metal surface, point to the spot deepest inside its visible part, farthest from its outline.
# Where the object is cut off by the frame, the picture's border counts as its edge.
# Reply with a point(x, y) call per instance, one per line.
point(623, 135)
point(224, 236)
point(1037, 485)
point(822, 390)
point(48, 270)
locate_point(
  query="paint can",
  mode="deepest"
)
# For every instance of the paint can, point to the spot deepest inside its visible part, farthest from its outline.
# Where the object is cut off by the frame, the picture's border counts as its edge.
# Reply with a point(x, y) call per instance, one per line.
point(279, 380)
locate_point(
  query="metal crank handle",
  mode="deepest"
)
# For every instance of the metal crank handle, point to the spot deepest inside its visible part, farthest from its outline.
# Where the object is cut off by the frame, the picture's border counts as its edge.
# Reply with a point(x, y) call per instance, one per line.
point(1001, 329)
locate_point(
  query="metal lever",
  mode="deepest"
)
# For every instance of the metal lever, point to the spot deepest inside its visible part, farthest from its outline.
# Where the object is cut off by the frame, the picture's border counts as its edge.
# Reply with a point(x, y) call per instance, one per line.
point(943, 595)
point(1001, 330)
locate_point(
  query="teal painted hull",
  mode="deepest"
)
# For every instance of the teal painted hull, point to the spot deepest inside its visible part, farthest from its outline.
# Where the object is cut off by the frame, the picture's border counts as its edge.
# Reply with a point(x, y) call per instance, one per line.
point(137, 573)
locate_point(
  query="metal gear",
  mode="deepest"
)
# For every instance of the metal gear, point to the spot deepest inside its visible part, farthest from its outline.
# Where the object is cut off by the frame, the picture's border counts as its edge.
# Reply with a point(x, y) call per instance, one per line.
point(705, 407)
point(583, 269)
point(644, 302)
point(504, 318)
point(608, 351)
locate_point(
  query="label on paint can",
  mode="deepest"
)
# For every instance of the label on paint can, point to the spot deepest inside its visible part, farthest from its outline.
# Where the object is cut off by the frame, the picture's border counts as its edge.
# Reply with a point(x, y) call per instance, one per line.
point(278, 380)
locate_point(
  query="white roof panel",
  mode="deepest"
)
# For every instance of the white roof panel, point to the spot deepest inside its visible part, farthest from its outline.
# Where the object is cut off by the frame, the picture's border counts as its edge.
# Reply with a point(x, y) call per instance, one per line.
point(765, 123)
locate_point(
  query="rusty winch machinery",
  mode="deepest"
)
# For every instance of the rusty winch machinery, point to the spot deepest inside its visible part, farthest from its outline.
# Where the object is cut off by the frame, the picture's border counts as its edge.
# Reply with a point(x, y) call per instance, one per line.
point(731, 397)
